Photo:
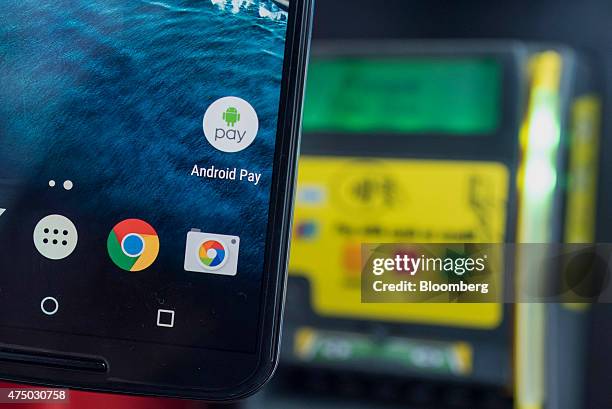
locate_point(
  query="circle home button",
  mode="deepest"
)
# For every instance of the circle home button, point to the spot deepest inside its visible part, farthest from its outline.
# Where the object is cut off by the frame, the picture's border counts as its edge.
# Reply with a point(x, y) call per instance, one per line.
point(49, 306)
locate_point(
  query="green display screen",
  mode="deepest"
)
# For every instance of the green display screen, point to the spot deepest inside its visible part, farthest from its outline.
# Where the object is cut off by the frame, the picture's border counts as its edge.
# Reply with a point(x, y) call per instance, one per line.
point(456, 96)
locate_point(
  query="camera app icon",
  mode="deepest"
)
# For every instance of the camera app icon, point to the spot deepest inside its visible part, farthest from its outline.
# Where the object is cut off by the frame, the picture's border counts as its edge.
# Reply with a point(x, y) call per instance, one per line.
point(211, 253)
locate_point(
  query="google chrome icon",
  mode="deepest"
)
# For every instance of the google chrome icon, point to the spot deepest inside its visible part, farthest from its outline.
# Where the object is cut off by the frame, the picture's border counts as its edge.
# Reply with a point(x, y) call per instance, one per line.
point(133, 245)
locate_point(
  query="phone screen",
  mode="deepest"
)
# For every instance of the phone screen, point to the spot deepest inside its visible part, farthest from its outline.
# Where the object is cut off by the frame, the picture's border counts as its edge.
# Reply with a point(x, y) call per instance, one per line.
point(137, 144)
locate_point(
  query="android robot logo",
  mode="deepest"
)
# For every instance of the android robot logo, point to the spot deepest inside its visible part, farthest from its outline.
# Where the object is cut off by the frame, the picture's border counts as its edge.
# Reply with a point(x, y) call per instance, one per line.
point(231, 116)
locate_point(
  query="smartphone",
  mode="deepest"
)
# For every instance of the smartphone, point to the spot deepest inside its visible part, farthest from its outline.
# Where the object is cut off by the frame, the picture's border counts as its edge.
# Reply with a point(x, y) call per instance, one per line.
point(147, 161)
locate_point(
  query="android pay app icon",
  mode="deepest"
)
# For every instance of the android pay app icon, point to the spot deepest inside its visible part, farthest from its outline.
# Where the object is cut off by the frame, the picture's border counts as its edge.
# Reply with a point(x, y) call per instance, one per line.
point(230, 124)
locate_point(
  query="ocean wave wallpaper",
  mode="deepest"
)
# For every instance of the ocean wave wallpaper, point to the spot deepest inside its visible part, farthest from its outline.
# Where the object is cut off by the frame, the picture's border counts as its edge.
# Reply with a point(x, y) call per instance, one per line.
point(110, 95)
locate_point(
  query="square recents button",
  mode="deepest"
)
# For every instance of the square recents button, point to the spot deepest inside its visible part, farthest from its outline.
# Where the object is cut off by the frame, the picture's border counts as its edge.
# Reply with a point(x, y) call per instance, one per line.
point(165, 318)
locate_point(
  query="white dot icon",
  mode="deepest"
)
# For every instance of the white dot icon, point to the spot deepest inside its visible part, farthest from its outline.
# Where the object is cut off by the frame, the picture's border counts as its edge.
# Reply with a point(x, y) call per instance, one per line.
point(68, 184)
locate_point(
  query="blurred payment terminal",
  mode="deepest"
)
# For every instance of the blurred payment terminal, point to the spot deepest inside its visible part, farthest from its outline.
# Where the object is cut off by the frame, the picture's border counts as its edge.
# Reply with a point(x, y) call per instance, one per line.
point(437, 142)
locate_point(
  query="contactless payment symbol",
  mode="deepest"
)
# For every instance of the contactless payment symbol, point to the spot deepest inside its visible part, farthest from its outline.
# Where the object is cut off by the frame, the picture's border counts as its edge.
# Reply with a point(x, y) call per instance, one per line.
point(133, 245)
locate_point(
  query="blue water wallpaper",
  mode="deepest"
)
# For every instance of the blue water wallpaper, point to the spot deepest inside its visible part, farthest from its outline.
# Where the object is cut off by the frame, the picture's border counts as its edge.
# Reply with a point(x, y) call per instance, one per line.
point(110, 94)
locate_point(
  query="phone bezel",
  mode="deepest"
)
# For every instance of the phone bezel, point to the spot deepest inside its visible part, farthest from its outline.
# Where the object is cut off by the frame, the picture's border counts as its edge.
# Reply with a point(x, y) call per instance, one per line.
point(204, 373)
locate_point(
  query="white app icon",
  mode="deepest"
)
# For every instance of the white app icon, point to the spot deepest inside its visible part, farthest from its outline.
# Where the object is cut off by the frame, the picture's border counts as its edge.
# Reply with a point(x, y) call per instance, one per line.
point(55, 237)
point(211, 253)
point(230, 124)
